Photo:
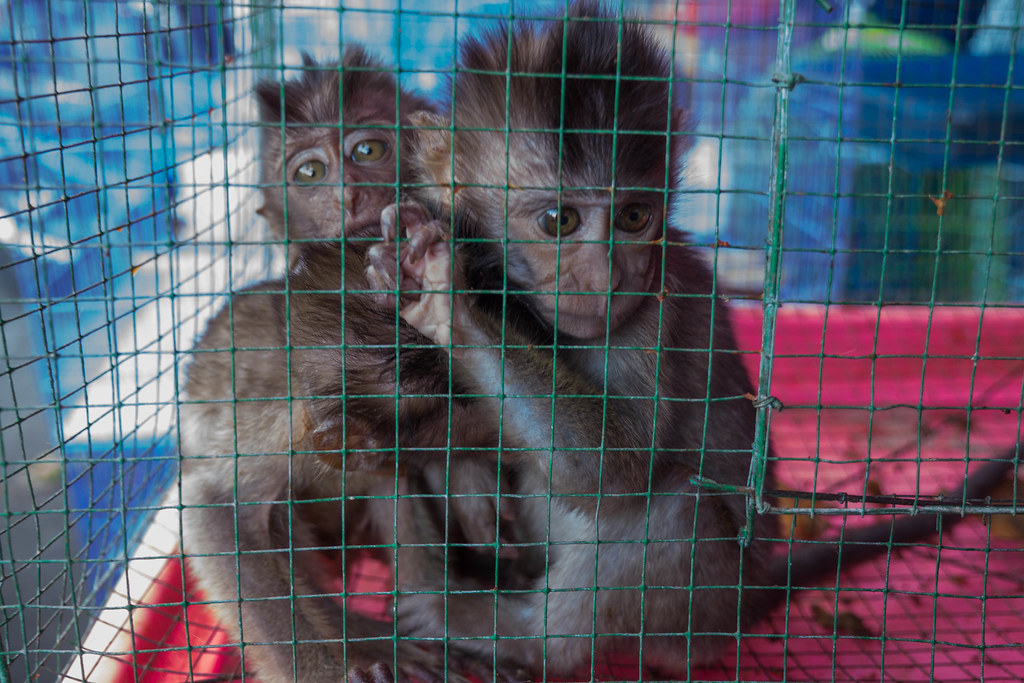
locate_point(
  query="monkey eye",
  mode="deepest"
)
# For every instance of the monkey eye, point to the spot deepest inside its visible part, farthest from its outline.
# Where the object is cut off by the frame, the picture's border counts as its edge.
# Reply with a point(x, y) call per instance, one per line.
point(633, 217)
point(312, 171)
point(367, 151)
point(560, 223)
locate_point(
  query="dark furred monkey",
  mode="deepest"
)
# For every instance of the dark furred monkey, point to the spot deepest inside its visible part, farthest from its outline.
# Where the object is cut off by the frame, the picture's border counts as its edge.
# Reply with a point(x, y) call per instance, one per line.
point(306, 165)
point(606, 400)
point(609, 357)
point(270, 384)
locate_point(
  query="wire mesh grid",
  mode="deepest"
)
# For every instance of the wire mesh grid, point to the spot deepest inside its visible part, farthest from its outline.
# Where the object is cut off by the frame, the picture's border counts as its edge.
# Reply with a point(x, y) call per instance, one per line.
point(868, 154)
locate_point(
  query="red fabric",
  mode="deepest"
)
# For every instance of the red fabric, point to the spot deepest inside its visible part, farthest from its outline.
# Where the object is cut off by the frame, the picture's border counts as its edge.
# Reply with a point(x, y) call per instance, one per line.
point(167, 640)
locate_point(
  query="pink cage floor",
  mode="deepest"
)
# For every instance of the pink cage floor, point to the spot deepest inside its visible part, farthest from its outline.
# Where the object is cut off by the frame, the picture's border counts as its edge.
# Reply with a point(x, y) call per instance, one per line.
point(950, 611)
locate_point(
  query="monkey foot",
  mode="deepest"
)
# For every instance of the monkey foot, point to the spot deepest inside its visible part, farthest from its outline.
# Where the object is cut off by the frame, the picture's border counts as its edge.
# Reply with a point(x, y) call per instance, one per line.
point(457, 667)
point(499, 674)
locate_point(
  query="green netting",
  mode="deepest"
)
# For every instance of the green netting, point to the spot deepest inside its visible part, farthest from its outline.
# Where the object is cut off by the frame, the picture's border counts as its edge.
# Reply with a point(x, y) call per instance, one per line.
point(854, 177)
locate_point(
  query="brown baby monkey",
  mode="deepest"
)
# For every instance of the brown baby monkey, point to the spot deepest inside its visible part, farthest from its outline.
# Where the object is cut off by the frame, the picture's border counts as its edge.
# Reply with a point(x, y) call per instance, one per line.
point(301, 378)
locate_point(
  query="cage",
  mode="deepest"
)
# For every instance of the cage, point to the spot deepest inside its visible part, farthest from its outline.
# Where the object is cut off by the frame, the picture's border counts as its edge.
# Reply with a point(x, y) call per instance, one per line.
point(853, 178)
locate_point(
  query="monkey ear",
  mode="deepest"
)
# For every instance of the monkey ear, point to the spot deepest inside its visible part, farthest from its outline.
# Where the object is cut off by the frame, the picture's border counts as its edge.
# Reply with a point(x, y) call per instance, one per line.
point(433, 137)
point(268, 97)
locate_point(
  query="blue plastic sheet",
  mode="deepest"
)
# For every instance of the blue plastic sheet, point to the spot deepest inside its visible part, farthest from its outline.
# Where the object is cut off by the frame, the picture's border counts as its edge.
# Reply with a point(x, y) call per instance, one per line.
point(91, 94)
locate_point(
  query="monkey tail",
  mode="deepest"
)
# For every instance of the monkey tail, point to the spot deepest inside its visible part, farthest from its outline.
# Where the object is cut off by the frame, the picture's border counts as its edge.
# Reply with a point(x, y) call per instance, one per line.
point(809, 563)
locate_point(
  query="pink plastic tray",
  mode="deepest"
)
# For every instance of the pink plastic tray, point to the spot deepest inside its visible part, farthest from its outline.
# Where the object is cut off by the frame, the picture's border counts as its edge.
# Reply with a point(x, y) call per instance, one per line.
point(930, 613)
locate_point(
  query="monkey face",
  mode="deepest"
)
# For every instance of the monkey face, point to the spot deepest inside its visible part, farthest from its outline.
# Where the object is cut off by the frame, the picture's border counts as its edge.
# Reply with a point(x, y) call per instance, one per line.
point(583, 259)
point(334, 186)
point(330, 148)
point(589, 262)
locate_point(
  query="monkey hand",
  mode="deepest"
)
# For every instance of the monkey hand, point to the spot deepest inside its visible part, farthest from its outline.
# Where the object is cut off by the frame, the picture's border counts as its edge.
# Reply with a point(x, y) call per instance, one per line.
point(417, 270)
point(384, 260)
point(429, 664)
point(430, 313)
point(340, 442)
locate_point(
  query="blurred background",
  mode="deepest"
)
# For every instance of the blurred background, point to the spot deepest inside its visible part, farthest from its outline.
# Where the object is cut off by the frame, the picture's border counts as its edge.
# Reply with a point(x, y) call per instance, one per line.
point(127, 210)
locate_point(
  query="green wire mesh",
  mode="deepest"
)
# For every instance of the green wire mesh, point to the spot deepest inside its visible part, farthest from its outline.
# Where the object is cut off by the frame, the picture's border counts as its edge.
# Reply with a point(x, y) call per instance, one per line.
point(846, 158)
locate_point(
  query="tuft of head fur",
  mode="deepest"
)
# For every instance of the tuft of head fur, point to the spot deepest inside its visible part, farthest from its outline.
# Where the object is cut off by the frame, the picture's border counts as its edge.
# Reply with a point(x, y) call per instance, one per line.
point(581, 102)
point(315, 96)
point(592, 79)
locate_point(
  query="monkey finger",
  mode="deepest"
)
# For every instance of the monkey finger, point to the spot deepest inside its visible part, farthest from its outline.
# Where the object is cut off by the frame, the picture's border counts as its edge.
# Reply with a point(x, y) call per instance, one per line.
point(435, 268)
point(429, 665)
point(394, 216)
point(378, 673)
point(381, 269)
point(409, 281)
point(382, 296)
point(389, 223)
point(484, 670)
point(422, 237)
point(410, 292)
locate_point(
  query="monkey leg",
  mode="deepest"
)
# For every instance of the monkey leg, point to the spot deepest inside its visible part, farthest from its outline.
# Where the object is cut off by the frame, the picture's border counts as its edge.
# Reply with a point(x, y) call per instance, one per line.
point(440, 597)
point(657, 584)
point(612, 593)
point(257, 557)
point(444, 595)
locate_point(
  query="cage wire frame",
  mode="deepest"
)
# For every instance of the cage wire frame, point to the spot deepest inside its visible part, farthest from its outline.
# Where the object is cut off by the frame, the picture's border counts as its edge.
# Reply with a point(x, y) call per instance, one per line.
point(112, 267)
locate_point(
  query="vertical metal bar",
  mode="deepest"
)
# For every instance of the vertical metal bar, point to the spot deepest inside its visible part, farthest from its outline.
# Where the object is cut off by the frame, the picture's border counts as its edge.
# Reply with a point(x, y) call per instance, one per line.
point(784, 83)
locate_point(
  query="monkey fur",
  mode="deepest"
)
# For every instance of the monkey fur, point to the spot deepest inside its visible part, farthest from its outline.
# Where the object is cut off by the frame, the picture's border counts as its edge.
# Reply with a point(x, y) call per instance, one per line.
point(606, 405)
point(587, 329)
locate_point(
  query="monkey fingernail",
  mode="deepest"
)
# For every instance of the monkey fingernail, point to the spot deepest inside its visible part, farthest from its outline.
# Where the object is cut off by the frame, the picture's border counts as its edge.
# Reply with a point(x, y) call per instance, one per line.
point(389, 223)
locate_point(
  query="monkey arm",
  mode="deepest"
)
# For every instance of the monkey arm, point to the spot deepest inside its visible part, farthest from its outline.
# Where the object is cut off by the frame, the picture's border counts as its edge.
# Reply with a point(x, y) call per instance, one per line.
point(255, 542)
point(355, 366)
point(574, 433)
point(549, 409)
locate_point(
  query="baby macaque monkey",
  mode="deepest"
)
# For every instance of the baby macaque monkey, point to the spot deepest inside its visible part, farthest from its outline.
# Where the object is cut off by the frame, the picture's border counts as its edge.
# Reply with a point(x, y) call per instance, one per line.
point(608, 359)
point(269, 388)
point(595, 396)
point(308, 162)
